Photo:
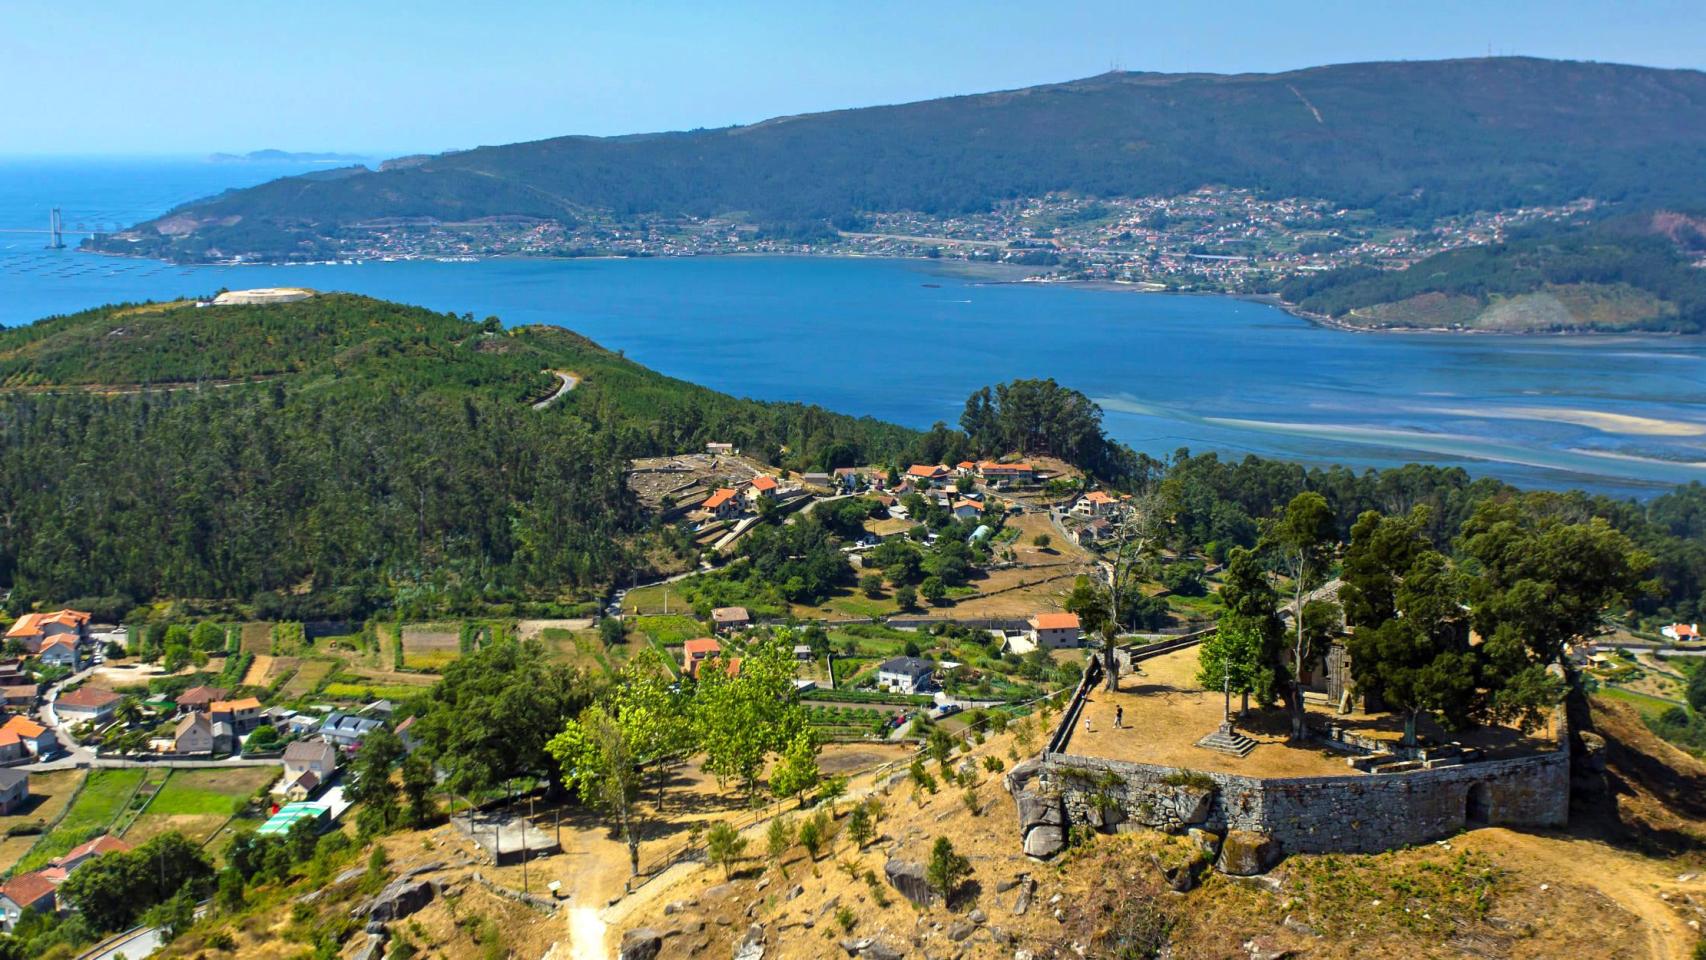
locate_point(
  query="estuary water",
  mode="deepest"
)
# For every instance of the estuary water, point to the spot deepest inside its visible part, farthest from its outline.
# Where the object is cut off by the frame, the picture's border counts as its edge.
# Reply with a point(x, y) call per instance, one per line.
point(907, 341)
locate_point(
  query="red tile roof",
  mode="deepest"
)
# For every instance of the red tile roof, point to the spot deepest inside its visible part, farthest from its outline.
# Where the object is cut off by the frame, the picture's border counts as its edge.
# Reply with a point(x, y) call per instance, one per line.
point(719, 498)
point(103, 844)
point(704, 645)
point(1055, 621)
point(32, 624)
point(763, 482)
point(926, 471)
point(28, 889)
point(88, 698)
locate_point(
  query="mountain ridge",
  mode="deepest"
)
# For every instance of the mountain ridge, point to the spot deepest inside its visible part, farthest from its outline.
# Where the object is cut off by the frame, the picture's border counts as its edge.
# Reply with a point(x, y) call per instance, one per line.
point(1411, 140)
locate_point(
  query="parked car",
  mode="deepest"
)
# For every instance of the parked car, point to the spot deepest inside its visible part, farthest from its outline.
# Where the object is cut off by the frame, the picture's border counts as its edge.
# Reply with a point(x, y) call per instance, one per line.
point(944, 710)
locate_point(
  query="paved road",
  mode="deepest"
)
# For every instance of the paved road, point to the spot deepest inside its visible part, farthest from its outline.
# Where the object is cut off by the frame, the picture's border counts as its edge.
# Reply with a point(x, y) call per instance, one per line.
point(570, 381)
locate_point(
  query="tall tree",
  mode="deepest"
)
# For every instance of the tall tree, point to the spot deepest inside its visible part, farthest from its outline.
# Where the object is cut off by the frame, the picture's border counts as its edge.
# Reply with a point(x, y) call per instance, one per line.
point(1543, 578)
point(1419, 656)
point(488, 720)
point(599, 761)
point(1302, 539)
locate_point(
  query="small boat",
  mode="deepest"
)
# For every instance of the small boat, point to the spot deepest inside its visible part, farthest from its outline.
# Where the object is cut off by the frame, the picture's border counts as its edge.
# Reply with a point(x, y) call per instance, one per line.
point(933, 286)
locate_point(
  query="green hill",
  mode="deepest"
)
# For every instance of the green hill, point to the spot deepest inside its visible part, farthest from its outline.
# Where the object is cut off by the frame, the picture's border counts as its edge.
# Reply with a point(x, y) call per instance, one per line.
point(1625, 273)
point(1411, 140)
point(338, 454)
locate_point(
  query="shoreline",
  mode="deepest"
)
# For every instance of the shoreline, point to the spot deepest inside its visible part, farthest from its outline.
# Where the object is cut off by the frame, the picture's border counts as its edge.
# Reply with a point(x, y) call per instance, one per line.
point(980, 271)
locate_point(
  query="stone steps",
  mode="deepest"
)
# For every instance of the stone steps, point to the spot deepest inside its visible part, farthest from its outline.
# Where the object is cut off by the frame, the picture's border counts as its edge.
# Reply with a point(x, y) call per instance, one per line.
point(1228, 741)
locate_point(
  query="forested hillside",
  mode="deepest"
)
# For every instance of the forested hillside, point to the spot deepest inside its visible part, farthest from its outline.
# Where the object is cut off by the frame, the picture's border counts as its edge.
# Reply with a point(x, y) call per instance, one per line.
point(1633, 272)
point(339, 454)
point(1412, 140)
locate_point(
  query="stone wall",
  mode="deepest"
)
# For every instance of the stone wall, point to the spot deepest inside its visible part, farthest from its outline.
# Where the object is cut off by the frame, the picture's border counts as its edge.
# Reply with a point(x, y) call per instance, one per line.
point(1354, 813)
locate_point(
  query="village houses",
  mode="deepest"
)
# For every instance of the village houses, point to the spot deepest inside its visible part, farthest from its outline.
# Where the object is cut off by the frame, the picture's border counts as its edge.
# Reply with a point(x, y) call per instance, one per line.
point(32, 631)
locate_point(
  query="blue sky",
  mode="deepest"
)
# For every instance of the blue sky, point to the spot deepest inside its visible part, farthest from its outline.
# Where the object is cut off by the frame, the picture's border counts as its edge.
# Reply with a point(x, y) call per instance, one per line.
point(187, 76)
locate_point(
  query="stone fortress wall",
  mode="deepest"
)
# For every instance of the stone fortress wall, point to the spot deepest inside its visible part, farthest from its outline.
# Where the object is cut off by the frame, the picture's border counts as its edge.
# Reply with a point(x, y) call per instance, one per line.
point(1351, 813)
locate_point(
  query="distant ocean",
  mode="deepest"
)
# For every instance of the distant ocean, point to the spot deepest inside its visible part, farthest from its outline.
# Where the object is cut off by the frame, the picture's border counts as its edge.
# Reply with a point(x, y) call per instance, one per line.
point(907, 341)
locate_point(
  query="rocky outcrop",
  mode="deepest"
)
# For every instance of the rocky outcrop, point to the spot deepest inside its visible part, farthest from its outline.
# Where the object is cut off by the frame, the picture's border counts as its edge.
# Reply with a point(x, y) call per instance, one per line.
point(751, 946)
point(400, 899)
point(640, 944)
point(1042, 823)
point(907, 877)
point(1246, 853)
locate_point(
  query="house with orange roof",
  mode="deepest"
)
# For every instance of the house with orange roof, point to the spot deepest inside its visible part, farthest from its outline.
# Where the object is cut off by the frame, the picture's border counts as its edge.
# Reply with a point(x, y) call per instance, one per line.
point(1052, 631)
point(87, 704)
point(966, 509)
point(243, 715)
point(33, 630)
point(1096, 503)
point(1682, 632)
point(26, 891)
point(697, 650)
point(923, 474)
point(22, 737)
point(763, 486)
point(724, 504)
point(59, 651)
point(993, 471)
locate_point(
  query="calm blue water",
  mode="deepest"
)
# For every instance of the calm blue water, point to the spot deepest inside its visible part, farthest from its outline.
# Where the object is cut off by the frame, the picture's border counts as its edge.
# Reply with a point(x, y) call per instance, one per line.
point(900, 342)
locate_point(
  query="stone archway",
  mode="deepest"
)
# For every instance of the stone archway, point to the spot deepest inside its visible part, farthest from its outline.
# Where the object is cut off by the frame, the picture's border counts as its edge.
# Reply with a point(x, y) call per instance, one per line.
point(1478, 806)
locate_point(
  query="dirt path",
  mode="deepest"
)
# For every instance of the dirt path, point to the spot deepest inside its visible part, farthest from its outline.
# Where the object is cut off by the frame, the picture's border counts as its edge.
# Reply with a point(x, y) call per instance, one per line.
point(1631, 882)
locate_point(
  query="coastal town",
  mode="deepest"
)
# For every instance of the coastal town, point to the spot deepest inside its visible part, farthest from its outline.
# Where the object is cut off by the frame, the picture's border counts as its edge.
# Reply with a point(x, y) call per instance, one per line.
point(1216, 238)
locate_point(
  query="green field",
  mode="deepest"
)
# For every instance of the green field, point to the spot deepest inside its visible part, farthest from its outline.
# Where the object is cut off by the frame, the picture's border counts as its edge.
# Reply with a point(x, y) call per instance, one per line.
point(102, 798)
point(1649, 706)
point(671, 631)
point(343, 690)
point(197, 792)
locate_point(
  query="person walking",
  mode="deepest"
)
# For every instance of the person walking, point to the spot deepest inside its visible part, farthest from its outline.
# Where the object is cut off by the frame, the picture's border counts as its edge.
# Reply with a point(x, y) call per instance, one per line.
point(1119, 716)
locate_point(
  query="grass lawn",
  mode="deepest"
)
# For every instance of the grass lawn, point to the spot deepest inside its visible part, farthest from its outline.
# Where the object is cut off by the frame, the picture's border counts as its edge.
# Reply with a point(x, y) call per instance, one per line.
point(197, 803)
point(102, 798)
point(210, 791)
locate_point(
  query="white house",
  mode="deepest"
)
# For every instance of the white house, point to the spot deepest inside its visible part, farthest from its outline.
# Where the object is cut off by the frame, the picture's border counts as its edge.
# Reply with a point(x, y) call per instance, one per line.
point(1682, 632)
point(905, 675)
point(193, 734)
point(1051, 631)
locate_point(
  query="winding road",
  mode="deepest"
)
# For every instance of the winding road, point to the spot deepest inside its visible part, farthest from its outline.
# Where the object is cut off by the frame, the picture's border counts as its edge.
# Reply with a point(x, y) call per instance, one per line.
point(570, 381)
